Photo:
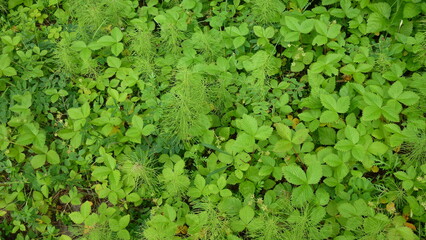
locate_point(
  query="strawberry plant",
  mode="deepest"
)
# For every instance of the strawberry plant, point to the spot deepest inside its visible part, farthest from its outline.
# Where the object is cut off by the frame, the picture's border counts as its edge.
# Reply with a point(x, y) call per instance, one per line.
point(193, 119)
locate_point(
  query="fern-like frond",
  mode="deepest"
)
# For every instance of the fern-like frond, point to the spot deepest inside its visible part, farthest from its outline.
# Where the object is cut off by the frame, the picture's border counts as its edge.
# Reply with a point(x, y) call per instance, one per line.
point(67, 59)
point(186, 104)
point(267, 11)
point(139, 167)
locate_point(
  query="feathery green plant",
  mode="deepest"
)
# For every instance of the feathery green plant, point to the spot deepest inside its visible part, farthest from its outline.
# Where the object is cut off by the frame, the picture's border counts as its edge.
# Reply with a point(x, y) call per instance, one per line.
point(141, 169)
point(186, 104)
point(414, 149)
point(67, 59)
point(172, 25)
point(267, 11)
point(211, 223)
point(89, 16)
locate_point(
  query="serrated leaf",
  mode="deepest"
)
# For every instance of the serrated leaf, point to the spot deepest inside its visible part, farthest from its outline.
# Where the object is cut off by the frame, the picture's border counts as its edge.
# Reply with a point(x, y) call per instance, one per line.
point(283, 146)
point(239, 41)
point(408, 98)
point(101, 172)
point(292, 23)
point(395, 90)
point(76, 217)
point(342, 105)
point(148, 130)
point(347, 210)
point(344, 145)
point(85, 209)
point(124, 221)
point(284, 131)
point(329, 116)
point(333, 31)
point(294, 175)
point(411, 10)
point(300, 136)
point(117, 34)
point(248, 124)
point(199, 182)
point(52, 157)
point(314, 173)
point(378, 148)
point(114, 62)
point(38, 161)
point(371, 113)
point(263, 133)
point(302, 194)
point(352, 134)
point(246, 214)
point(328, 102)
point(333, 160)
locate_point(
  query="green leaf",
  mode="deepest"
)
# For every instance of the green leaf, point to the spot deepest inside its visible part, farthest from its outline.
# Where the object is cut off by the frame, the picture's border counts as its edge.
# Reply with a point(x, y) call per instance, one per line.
point(333, 31)
point(117, 34)
point(352, 134)
point(302, 194)
point(300, 136)
point(199, 182)
point(106, 41)
point(117, 48)
point(292, 23)
point(378, 148)
point(347, 210)
point(137, 122)
point(258, 31)
point(4, 61)
point(188, 4)
point(148, 129)
point(395, 90)
point(382, 8)
point(85, 209)
point(123, 234)
point(91, 220)
point(52, 157)
point(239, 41)
point(124, 221)
point(342, 105)
point(344, 145)
point(244, 142)
point(329, 116)
point(114, 62)
point(328, 102)
point(376, 23)
point(321, 27)
point(408, 98)
point(283, 146)
point(248, 124)
point(101, 172)
point(284, 131)
point(411, 10)
point(333, 160)
point(306, 26)
point(292, 37)
point(133, 197)
point(38, 161)
point(9, 71)
point(263, 133)
point(246, 214)
point(314, 173)
point(294, 175)
point(371, 113)
point(76, 217)
point(75, 113)
point(391, 110)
